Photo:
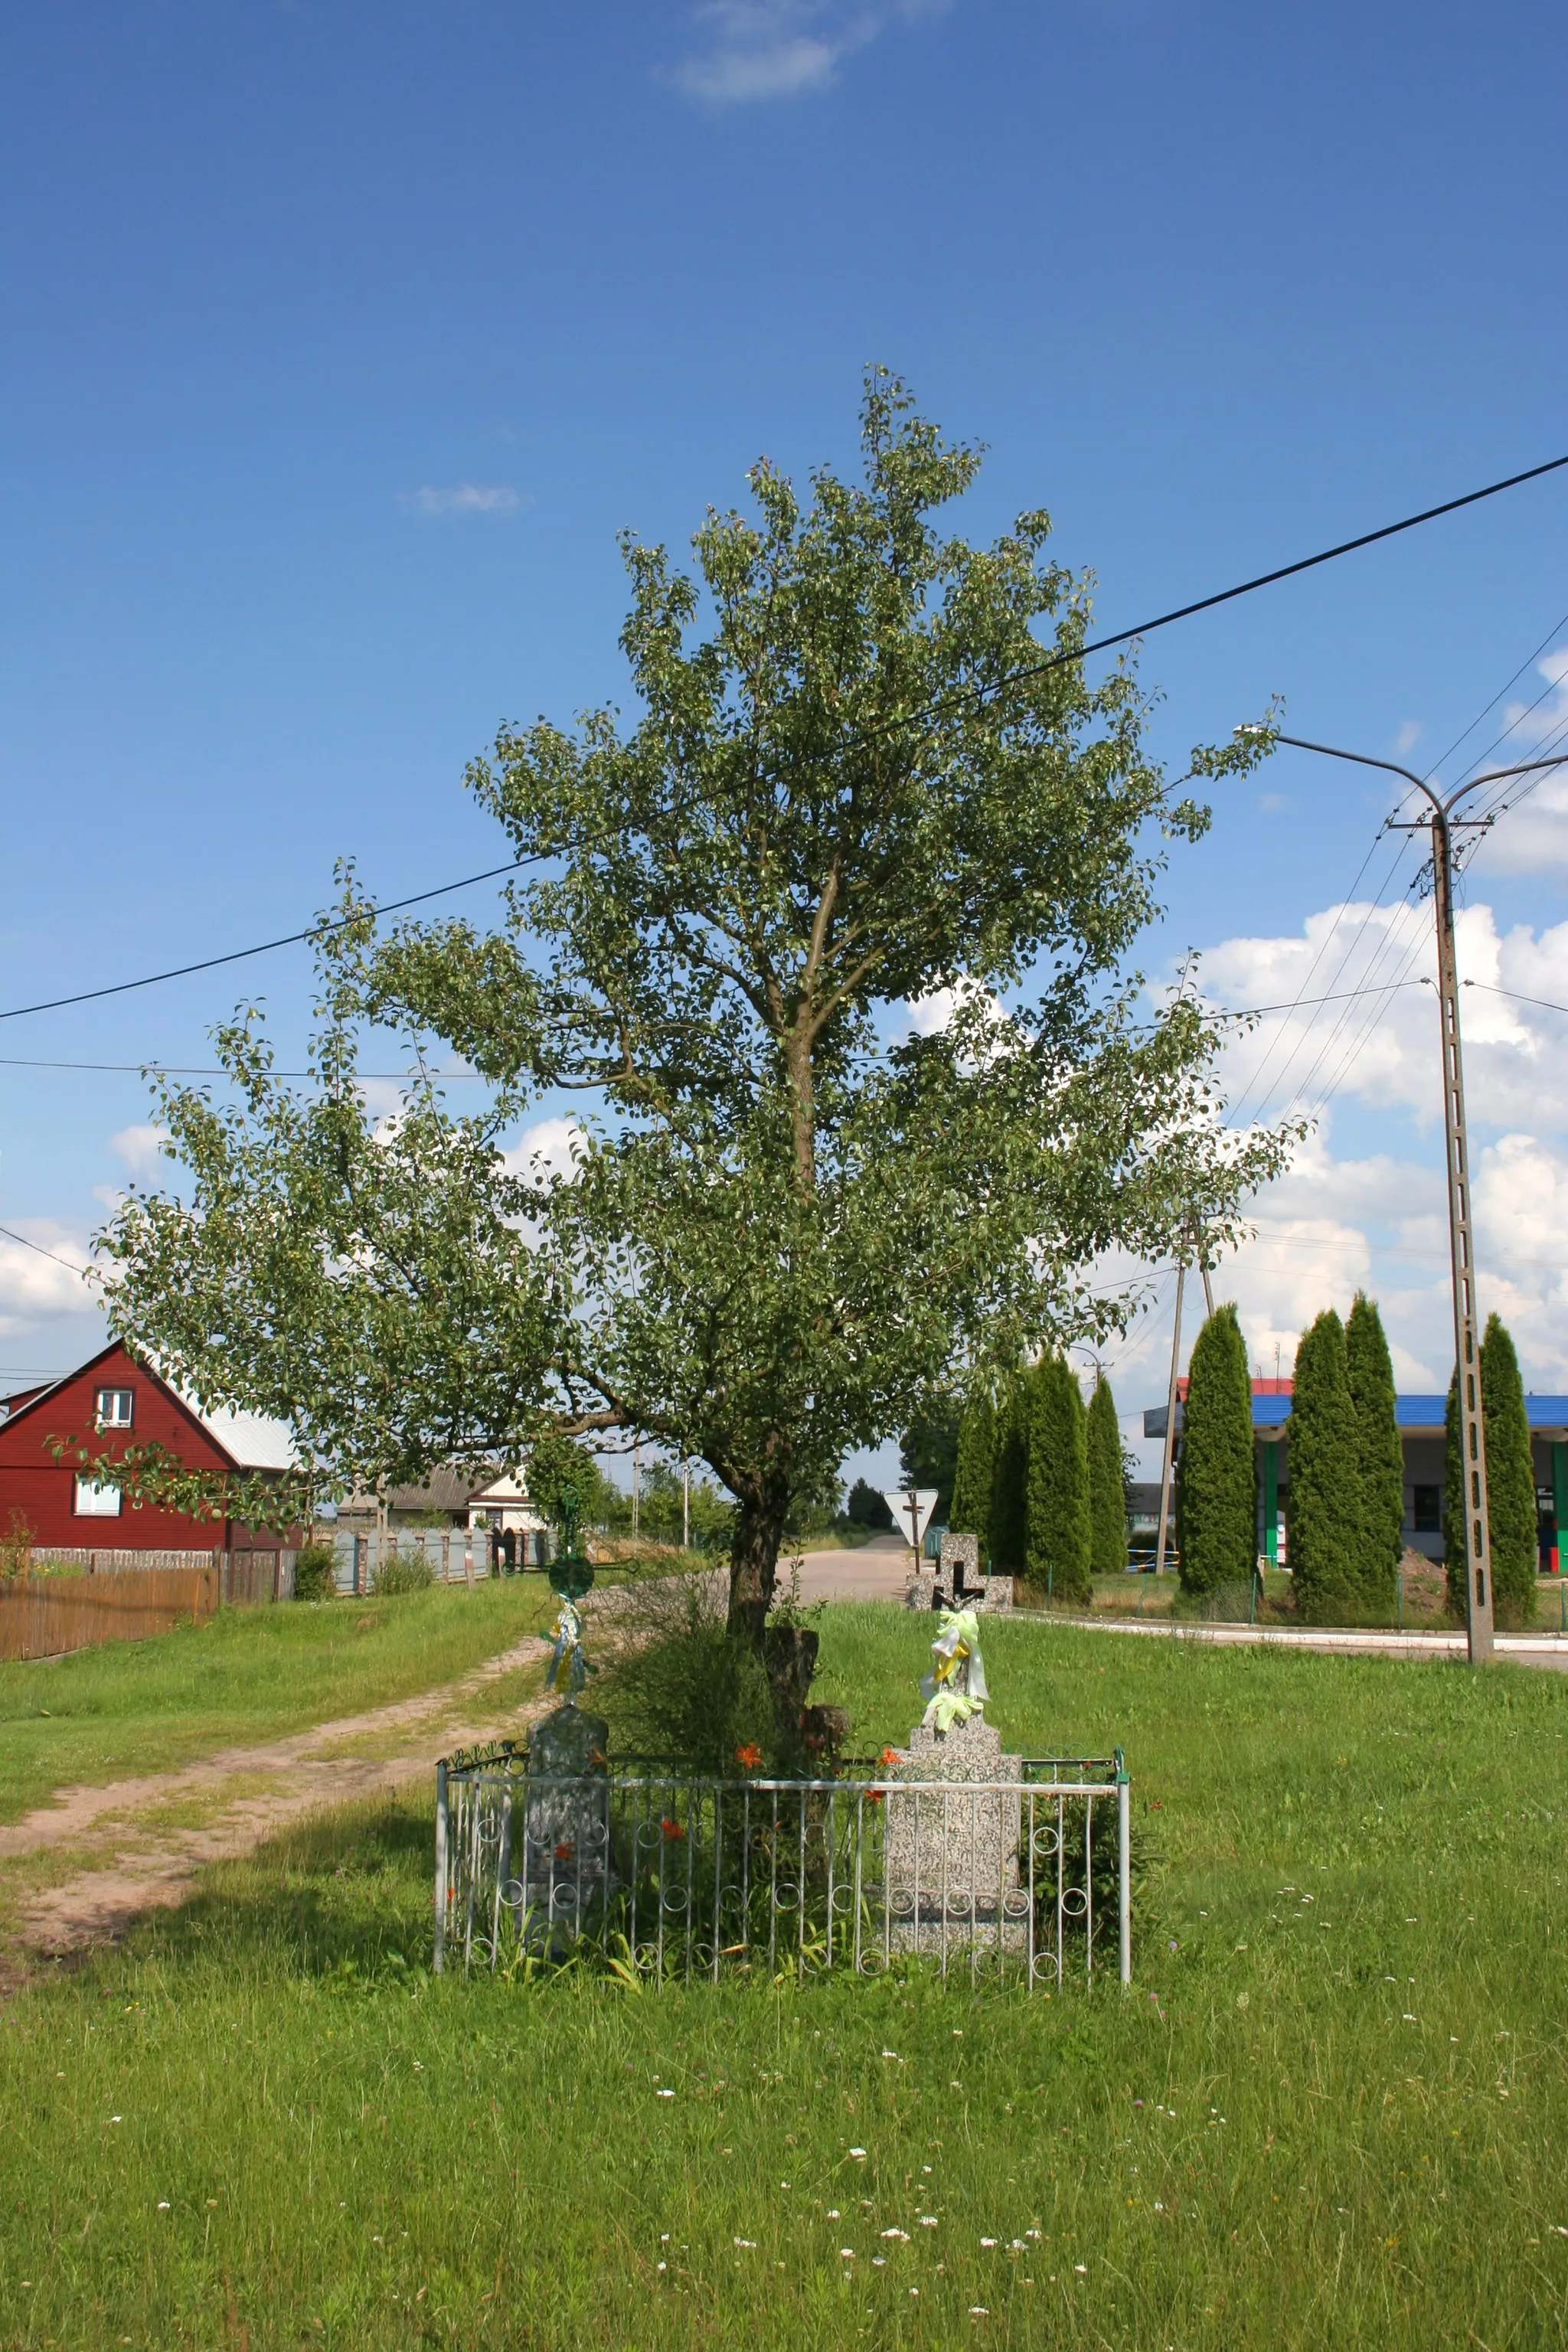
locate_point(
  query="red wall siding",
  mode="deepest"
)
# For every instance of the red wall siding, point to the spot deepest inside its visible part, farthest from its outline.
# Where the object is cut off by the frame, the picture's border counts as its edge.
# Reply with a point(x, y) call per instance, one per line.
point(35, 1488)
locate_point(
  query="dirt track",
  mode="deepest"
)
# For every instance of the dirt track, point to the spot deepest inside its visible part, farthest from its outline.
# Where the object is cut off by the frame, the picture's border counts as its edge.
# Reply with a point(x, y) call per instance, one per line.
point(138, 1861)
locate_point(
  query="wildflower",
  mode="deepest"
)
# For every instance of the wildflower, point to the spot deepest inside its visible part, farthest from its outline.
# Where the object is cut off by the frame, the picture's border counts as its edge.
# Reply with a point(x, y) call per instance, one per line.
point(563, 1852)
point(749, 1757)
point(978, 2311)
point(875, 1796)
point(750, 2243)
point(670, 1829)
point(897, 2233)
point(891, 1756)
point(163, 2205)
point(859, 2152)
point(847, 2253)
point(928, 2221)
point(1082, 2268)
point(833, 2213)
point(664, 2094)
point(664, 2266)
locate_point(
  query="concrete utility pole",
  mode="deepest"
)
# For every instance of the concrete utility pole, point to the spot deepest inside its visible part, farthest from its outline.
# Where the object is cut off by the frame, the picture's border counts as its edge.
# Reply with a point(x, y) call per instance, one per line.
point(1169, 1455)
point(686, 1502)
point(1476, 1533)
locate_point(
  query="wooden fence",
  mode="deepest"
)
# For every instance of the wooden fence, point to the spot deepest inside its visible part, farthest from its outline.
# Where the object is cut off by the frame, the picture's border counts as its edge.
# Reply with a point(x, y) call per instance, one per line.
point(43, 1616)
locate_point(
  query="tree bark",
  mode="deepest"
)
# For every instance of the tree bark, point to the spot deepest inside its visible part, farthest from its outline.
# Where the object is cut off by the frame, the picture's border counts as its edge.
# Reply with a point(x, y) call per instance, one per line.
point(753, 1557)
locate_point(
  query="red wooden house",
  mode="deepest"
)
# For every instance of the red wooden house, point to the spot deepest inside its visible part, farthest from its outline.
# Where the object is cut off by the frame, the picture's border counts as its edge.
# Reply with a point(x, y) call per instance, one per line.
point(112, 1403)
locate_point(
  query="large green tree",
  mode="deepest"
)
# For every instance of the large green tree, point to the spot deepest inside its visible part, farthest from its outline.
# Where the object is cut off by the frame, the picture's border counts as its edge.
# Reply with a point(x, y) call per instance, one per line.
point(976, 1463)
point(1325, 1522)
point(1056, 1545)
point(1107, 1491)
point(1369, 1371)
point(928, 1455)
point(1216, 1478)
point(865, 770)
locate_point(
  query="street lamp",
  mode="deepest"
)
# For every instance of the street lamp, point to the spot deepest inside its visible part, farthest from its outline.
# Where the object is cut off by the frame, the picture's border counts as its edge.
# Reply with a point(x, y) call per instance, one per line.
point(1475, 1534)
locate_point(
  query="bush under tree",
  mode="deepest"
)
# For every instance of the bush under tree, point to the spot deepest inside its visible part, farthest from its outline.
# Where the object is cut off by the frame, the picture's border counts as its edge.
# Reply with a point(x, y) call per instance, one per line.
point(974, 1471)
point(1325, 1525)
point(1107, 1485)
point(1369, 1371)
point(1057, 1541)
point(1217, 1478)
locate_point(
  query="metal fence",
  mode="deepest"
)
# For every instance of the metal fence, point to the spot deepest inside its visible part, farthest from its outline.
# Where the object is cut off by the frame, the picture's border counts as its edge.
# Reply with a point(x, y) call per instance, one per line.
point(677, 1878)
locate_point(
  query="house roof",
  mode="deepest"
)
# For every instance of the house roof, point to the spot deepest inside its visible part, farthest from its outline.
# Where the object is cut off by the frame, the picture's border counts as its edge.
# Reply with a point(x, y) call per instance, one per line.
point(250, 1439)
point(445, 1489)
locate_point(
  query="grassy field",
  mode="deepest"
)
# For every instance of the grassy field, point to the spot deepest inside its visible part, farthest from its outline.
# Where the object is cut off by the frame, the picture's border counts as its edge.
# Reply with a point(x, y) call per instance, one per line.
point(1332, 2111)
point(243, 1675)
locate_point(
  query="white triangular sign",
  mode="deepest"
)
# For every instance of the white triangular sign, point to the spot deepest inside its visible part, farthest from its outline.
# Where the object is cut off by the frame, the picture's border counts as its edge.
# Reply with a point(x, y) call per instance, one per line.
point(912, 1512)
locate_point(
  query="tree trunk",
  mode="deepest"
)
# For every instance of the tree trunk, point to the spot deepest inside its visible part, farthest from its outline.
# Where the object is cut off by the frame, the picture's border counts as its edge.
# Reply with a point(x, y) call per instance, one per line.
point(753, 1557)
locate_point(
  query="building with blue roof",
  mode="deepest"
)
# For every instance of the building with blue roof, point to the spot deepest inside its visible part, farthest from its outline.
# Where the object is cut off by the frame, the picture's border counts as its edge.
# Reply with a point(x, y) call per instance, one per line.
point(1420, 1421)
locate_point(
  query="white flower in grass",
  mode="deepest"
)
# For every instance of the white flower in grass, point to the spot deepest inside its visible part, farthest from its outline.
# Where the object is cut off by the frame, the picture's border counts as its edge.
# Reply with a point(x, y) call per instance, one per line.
point(747, 2241)
point(897, 2233)
point(859, 2152)
point(988, 2241)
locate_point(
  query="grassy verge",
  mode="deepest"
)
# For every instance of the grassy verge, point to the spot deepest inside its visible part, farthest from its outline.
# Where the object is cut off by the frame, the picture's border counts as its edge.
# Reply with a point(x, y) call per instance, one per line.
point(244, 1675)
point(1331, 2111)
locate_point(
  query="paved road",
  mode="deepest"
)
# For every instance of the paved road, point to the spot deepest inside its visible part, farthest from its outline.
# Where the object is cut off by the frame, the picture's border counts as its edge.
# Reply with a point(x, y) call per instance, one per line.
point(880, 1570)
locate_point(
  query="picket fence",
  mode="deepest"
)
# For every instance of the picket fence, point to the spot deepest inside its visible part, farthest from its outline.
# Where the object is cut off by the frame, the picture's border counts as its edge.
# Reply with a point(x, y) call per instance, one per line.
point(44, 1616)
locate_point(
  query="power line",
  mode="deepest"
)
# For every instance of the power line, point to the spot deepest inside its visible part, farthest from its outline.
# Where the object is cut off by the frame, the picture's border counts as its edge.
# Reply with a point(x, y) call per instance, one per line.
point(932, 710)
point(42, 1251)
point(317, 931)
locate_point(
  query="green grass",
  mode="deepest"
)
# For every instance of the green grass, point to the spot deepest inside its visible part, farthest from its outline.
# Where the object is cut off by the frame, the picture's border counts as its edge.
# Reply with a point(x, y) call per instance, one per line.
point(244, 1675)
point(1334, 2121)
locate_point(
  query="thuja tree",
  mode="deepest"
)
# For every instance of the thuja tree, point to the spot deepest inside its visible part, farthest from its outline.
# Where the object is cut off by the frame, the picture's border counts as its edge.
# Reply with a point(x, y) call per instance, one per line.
point(1008, 1530)
point(1325, 1516)
point(1216, 1480)
point(1057, 1537)
point(1510, 1484)
point(1107, 1493)
point(1369, 1371)
point(1511, 1479)
point(854, 780)
point(976, 1458)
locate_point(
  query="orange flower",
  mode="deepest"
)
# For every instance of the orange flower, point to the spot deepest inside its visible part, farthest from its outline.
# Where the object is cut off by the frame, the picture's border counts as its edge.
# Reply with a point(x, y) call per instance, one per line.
point(672, 1830)
point(563, 1852)
point(891, 1756)
point(749, 1757)
point(875, 1796)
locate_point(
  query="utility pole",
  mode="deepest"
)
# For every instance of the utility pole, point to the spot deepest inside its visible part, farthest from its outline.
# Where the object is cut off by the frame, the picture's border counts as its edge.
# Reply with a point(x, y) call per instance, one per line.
point(686, 1502)
point(1168, 1457)
point(1475, 1535)
point(636, 1486)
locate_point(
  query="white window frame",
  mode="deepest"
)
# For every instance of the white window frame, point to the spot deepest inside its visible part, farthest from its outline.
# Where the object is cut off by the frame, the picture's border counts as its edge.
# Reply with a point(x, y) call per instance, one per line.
point(112, 1420)
point(94, 1498)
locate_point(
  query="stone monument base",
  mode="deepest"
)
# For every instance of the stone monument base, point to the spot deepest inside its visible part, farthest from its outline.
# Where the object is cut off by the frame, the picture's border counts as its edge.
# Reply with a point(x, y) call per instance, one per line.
point(951, 1858)
point(560, 1866)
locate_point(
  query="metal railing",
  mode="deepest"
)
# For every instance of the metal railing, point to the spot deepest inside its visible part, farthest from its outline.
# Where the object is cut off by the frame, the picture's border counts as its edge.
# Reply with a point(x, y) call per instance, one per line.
point(675, 1876)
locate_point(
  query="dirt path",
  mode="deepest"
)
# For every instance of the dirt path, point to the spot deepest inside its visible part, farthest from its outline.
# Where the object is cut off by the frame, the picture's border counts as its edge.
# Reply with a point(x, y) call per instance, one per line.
point(142, 1840)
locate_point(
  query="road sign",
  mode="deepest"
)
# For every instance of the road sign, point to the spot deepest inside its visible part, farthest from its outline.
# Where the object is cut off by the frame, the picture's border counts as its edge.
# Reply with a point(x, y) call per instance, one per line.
point(912, 1512)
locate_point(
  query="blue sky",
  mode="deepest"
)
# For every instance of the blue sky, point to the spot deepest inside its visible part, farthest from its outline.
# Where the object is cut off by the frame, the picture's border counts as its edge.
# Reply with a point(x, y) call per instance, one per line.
point(341, 340)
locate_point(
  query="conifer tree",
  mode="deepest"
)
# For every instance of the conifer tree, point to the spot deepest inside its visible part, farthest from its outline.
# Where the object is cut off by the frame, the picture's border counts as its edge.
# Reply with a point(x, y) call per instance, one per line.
point(1009, 1481)
point(971, 1514)
point(1381, 1457)
point(1216, 1478)
point(1107, 1496)
point(1326, 1538)
point(1511, 1479)
point(1057, 1520)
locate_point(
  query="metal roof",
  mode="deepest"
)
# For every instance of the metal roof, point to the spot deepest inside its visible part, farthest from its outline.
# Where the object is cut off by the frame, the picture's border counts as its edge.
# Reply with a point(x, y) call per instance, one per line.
point(1418, 1416)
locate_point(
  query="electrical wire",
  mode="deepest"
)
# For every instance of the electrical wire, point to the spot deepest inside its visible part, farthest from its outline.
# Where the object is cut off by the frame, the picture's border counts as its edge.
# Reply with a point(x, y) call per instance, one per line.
point(937, 708)
point(42, 1251)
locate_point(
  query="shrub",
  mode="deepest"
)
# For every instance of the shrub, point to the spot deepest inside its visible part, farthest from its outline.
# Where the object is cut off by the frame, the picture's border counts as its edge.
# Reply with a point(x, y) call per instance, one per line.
point(868, 1508)
point(1216, 1480)
point(404, 1571)
point(678, 1686)
point(315, 1572)
point(1381, 1457)
point(1107, 1496)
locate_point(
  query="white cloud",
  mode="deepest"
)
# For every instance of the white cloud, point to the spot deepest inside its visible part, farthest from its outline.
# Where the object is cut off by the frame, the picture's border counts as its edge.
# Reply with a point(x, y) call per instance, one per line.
point(1408, 737)
point(779, 48)
point(141, 1148)
point(1534, 833)
point(463, 498)
point(550, 1148)
point(41, 1283)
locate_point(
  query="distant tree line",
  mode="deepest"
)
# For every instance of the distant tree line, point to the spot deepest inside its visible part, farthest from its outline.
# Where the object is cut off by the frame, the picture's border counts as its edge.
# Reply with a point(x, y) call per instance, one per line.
point(1039, 1479)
